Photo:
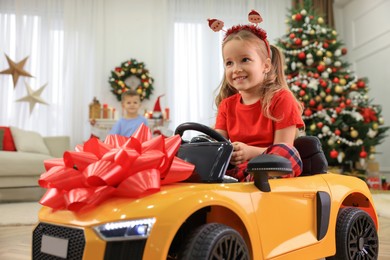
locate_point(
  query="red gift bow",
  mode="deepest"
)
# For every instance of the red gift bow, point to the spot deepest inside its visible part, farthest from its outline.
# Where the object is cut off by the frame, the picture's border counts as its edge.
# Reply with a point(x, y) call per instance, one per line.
point(124, 167)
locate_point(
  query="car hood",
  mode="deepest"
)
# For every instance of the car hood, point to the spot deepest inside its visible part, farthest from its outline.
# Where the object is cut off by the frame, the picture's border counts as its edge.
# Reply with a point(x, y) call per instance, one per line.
point(167, 202)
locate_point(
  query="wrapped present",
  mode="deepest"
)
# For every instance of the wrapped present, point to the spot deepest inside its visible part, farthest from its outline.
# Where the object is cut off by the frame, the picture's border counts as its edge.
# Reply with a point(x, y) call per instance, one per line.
point(123, 167)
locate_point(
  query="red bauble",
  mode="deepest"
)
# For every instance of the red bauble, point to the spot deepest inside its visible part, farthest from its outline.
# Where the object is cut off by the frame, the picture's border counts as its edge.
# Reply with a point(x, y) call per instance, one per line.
point(308, 112)
point(333, 154)
point(337, 132)
point(320, 68)
point(298, 17)
point(328, 90)
point(363, 153)
point(312, 102)
point(348, 102)
point(316, 75)
point(342, 105)
point(320, 125)
point(320, 107)
point(292, 35)
point(303, 85)
point(346, 76)
point(344, 51)
point(302, 93)
point(302, 55)
point(323, 83)
point(361, 84)
point(338, 110)
point(298, 41)
point(334, 70)
point(336, 80)
point(325, 45)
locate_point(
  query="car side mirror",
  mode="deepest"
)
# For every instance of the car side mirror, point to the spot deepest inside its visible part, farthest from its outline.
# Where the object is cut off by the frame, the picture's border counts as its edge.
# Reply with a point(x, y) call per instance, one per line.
point(268, 165)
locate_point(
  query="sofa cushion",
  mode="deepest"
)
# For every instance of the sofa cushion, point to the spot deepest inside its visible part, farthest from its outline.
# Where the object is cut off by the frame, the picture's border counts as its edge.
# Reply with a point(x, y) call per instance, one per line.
point(22, 164)
point(28, 141)
point(8, 141)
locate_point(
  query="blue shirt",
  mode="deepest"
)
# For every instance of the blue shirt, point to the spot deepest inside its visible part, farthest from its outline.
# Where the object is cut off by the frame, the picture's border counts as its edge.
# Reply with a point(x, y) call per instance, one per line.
point(127, 127)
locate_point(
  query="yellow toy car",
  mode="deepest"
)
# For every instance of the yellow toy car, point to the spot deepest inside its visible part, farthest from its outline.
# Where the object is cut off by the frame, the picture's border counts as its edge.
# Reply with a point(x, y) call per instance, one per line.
point(211, 216)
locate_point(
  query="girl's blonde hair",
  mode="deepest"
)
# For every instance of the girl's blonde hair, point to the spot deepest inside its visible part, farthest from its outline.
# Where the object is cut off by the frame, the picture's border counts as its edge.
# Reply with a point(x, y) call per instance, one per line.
point(274, 80)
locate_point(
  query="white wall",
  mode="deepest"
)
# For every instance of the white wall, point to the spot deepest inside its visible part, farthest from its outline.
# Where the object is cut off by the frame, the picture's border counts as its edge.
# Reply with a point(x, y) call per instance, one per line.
point(133, 29)
point(364, 27)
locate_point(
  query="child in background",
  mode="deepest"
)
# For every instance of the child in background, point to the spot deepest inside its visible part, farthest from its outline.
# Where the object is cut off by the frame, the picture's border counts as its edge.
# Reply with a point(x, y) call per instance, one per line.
point(256, 109)
point(131, 120)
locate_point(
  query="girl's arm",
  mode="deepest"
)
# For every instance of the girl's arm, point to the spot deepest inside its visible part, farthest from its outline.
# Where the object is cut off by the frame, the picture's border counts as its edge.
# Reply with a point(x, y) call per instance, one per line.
point(286, 135)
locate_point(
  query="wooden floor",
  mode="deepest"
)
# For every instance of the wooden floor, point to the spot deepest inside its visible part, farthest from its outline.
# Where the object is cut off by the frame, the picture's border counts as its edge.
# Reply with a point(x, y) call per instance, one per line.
point(15, 241)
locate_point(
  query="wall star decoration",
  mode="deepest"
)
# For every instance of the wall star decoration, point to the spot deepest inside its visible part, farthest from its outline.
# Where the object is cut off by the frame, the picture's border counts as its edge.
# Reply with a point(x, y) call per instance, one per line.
point(16, 69)
point(33, 97)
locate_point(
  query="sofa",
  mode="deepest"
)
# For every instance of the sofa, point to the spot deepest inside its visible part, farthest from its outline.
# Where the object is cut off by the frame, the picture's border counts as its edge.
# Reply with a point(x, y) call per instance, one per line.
point(22, 164)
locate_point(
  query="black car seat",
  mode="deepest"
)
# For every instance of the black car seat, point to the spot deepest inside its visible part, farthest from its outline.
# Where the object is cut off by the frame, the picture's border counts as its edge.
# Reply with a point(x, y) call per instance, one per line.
point(312, 155)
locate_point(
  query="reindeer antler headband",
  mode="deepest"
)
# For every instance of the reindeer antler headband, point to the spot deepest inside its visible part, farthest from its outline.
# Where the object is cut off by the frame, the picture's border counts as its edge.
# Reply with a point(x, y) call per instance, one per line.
point(253, 17)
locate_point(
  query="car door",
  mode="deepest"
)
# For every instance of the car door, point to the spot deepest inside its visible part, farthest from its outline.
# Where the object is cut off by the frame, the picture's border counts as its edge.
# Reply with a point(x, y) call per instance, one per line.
point(287, 215)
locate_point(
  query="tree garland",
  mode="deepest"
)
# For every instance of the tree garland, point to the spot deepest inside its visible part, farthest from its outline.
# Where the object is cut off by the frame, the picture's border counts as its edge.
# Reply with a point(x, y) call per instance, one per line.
point(131, 75)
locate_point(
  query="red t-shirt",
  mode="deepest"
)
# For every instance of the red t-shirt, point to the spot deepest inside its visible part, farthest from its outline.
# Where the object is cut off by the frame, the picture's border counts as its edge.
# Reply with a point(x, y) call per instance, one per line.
point(247, 123)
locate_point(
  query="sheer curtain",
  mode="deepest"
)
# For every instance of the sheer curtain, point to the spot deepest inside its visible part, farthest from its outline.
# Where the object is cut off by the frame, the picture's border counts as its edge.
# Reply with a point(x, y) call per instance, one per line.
point(196, 50)
point(62, 40)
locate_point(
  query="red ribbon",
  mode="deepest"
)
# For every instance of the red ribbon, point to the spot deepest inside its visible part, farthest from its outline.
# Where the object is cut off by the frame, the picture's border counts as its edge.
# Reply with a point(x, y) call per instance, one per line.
point(118, 167)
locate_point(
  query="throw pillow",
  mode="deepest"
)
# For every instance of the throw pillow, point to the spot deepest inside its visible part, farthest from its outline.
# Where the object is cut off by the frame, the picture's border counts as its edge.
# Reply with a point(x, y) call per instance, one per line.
point(8, 141)
point(29, 141)
point(1, 139)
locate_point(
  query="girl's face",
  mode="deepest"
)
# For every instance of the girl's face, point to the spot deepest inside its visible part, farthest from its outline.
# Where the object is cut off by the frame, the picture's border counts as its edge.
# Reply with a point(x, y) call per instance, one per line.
point(244, 67)
point(131, 104)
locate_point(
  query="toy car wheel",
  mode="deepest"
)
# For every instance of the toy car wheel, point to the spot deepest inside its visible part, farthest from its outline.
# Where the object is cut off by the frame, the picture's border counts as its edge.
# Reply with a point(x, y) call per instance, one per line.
point(215, 241)
point(356, 235)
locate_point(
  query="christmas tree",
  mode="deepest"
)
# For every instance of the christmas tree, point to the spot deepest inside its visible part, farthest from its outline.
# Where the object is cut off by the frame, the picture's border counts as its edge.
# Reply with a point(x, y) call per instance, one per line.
point(337, 107)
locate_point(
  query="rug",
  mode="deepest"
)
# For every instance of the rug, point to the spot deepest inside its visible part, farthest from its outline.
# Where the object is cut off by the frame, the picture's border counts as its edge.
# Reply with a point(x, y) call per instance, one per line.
point(26, 213)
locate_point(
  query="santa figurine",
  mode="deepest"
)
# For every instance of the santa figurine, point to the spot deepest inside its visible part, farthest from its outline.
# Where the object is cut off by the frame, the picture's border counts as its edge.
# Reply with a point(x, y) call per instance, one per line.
point(157, 113)
point(254, 17)
point(215, 24)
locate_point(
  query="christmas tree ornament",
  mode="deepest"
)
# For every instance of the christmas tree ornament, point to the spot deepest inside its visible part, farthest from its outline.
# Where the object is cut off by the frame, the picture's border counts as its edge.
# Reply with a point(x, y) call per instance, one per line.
point(333, 154)
point(33, 97)
point(16, 69)
point(340, 157)
point(362, 157)
point(354, 133)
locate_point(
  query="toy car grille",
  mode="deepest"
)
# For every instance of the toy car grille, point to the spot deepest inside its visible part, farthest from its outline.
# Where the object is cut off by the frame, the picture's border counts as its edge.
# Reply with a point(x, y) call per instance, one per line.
point(74, 236)
point(132, 249)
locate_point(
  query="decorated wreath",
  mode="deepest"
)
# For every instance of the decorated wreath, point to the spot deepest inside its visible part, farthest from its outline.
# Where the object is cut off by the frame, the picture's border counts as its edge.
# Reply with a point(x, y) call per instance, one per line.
point(131, 75)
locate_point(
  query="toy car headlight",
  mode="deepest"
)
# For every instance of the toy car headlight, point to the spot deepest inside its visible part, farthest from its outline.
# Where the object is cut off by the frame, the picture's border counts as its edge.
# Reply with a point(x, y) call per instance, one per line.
point(126, 230)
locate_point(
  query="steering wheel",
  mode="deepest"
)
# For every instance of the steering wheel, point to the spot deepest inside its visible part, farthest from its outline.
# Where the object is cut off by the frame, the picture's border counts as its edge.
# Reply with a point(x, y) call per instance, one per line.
point(200, 128)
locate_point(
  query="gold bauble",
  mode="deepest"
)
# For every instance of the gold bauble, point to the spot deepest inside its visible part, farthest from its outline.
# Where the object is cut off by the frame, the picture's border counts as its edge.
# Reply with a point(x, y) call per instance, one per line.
point(329, 54)
point(133, 70)
point(343, 82)
point(354, 86)
point(338, 89)
point(318, 99)
point(312, 32)
point(139, 91)
point(320, 20)
point(319, 53)
point(328, 98)
point(381, 121)
point(334, 32)
point(146, 84)
point(293, 17)
point(375, 126)
point(372, 149)
point(313, 127)
point(354, 133)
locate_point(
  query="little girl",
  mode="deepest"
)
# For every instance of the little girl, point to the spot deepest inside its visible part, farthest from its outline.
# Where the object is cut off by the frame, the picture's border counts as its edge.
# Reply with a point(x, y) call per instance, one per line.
point(256, 109)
